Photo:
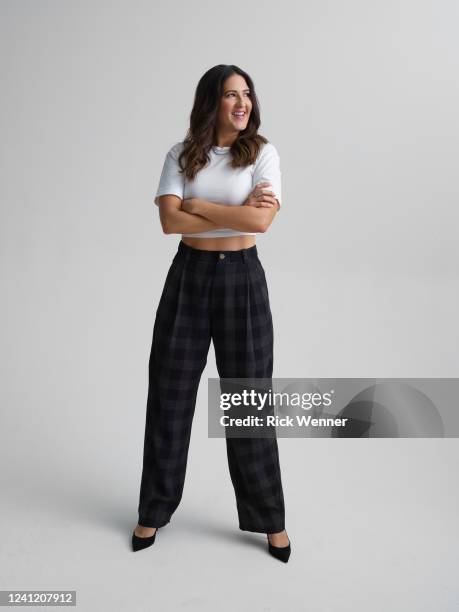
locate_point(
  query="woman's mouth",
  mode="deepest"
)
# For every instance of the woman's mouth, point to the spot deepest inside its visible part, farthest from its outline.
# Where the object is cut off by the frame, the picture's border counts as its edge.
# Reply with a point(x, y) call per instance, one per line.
point(239, 115)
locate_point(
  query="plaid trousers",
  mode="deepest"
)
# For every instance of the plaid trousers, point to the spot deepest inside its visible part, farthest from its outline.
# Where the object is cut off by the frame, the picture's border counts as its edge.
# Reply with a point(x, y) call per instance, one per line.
point(223, 296)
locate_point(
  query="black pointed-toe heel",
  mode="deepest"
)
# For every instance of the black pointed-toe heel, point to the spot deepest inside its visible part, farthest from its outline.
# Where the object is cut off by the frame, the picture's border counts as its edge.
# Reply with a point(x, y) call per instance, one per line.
point(140, 543)
point(280, 552)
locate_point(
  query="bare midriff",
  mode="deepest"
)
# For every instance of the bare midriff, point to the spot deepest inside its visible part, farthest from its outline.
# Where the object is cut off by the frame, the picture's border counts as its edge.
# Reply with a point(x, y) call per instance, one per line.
point(227, 243)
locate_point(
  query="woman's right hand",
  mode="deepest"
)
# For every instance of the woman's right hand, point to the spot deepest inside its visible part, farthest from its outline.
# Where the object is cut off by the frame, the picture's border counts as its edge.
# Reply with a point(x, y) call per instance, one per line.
point(260, 197)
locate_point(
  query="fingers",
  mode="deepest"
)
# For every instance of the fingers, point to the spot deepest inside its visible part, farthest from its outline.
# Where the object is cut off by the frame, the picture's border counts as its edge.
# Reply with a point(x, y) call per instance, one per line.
point(261, 196)
point(263, 192)
point(262, 185)
point(264, 203)
point(269, 197)
point(261, 205)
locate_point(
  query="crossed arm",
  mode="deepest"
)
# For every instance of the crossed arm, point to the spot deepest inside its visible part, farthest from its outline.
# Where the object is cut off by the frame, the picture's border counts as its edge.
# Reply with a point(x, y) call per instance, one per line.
point(194, 215)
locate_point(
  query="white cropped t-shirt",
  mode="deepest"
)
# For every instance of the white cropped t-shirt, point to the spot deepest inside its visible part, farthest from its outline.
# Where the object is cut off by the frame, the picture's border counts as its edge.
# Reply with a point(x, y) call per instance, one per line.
point(218, 182)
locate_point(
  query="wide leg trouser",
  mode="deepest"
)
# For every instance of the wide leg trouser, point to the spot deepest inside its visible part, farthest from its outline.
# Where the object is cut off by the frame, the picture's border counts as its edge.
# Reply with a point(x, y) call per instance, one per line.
point(223, 296)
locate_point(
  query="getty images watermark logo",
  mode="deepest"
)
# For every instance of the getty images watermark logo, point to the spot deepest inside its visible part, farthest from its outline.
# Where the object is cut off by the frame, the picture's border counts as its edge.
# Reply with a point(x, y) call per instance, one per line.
point(333, 407)
point(252, 400)
point(257, 399)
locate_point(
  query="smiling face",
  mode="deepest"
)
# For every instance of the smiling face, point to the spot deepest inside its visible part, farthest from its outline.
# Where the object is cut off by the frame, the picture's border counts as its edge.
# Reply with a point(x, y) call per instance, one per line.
point(234, 110)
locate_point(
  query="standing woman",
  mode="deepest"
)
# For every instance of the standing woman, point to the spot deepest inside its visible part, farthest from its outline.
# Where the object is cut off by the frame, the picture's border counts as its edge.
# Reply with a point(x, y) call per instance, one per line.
point(219, 188)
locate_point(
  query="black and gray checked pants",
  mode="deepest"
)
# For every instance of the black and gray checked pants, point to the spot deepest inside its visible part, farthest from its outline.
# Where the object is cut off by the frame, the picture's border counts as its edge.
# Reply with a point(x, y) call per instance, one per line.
point(223, 296)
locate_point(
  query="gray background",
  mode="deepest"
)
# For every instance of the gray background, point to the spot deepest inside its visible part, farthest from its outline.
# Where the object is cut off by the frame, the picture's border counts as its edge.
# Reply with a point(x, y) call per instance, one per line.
point(361, 99)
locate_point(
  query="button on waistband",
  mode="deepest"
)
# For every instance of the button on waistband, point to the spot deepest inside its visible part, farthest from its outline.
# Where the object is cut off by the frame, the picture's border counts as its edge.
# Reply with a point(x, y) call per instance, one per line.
point(222, 255)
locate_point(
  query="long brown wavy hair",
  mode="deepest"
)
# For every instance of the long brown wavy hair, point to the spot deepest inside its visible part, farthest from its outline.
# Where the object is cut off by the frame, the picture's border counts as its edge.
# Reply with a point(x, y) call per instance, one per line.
point(202, 134)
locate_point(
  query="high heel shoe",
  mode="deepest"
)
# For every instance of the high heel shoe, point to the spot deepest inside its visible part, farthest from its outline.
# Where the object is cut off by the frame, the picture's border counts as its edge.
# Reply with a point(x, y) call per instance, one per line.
point(140, 543)
point(280, 552)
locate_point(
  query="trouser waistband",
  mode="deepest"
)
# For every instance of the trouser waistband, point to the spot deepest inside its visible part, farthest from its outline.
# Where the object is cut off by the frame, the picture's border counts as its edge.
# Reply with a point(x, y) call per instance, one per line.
point(184, 250)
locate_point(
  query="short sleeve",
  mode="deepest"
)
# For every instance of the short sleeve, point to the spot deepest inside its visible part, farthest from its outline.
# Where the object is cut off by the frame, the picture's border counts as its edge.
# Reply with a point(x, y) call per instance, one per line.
point(171, 180)
point(267, 168)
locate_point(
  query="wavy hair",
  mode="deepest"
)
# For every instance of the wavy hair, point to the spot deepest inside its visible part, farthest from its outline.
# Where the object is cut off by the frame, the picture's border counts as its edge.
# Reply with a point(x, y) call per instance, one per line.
point(202, 133)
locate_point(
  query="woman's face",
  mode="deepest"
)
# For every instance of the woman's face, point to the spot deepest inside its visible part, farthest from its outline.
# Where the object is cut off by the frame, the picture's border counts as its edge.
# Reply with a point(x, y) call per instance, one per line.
point(235, 105)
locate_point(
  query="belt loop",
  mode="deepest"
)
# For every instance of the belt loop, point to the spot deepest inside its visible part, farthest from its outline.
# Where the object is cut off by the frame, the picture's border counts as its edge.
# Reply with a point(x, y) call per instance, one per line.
point(244, 255)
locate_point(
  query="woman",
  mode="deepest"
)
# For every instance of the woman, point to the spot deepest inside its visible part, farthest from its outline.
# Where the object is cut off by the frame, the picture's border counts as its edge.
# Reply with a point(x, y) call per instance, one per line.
point(218, 189)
